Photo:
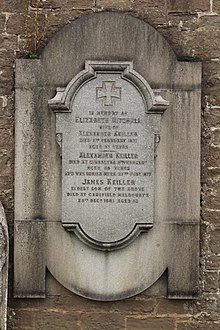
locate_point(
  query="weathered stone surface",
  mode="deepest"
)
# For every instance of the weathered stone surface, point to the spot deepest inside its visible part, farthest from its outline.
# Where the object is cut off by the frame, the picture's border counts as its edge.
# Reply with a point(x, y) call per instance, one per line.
point(212, 262)
point(156, 4)
point(211, 83)
point(30, 236)
point(7, 71)
point(198, 44)
point(107, 321)
point(15, 24)
point(211, 216)
point(6, 80)
point(197, 325)
point(120, 5)
point(54, 320)
point(5, 124)
point(211, 280)
point(212, 158)
point(21, 319)
point(136, 305)
point(39, 124)
point(206, 303)
point(165, 306)
point(212, 117)
point(56, 19)
point(60, 8)
point(183, 21)
point(7, 199)
point(211, 200)
point(7, 58)
point(209, 22)
point(154, 12)
point(187, 5)
point(12, 6)
point(216, 6)
point(64, 5)
point(215, 241)
point(151, 323)
point(2, 22)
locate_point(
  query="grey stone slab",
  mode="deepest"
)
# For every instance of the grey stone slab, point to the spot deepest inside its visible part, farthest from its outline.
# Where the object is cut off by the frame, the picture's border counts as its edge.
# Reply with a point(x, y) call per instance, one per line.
point(109, 37)
point(37, 180)
point(178, 161)
point(30, 259)
point(92, 273)
point(4, 257)
point(107, 128)
point(107, 276)
point(184, 238)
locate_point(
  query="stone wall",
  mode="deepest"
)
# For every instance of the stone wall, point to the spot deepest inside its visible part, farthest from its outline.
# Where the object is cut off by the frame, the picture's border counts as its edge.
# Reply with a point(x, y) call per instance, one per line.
point(192, 28)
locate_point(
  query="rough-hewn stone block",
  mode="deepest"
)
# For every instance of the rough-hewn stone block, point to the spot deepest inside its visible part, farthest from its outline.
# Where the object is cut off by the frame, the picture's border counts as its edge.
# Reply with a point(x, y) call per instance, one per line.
point(20, 320)
point(8, 42)
point(197, 325)
point(213, 262)
point(64, 5)
point(135, 305)
point(2, 22)
point(211, 82)
point(211, 279)
point(120, 4)
point(187, 5)
point(12, 6)
point(183, 21)
point(206, 303)
point(15, 24)
point(151, 323)
point(212, 217)
point(6, 196)
point(6, 138)
point(211, 200)
point(56, 320)
point(6, 80)
point(212, 117)
point(211, 22)
point(212, 158)
point(154, 17)
point(198, 44)
point(216, 137)
point(165, 306)
point(102, 321)
point(216, 6)
point(215, 241)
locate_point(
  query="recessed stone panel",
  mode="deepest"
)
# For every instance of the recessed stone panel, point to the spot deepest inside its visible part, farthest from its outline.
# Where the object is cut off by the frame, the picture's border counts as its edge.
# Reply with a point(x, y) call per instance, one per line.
point(108, 139)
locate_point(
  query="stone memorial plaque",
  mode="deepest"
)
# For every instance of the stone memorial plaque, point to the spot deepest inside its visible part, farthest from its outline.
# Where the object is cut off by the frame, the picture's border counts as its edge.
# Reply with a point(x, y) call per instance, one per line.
point(107, 125)
point(102, 163)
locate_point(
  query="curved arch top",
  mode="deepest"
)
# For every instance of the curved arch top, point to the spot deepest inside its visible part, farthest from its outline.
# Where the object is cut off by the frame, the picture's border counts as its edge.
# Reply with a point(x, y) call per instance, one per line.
point(65, 96)
point(109, 36)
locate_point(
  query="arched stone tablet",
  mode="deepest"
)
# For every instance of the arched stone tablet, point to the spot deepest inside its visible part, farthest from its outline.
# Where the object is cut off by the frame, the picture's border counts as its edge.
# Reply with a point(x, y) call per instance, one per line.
point(114, 68)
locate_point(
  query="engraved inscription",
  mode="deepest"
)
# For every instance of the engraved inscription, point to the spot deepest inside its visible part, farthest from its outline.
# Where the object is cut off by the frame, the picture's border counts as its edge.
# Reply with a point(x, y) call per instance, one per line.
point(108, 150)
point(108, 93)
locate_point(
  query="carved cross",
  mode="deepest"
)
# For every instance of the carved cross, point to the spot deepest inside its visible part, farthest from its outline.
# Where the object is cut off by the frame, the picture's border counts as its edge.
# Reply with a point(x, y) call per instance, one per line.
point(108, 92)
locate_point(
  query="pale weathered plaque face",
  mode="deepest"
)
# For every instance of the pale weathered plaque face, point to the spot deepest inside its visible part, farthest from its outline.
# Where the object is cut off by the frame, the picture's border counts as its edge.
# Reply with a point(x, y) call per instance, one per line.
point(108, 142)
